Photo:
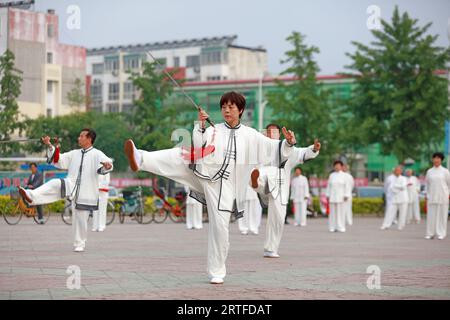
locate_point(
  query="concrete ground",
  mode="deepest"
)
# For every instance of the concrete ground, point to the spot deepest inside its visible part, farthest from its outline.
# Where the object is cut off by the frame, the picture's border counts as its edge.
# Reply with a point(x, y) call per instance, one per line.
point(166, 261)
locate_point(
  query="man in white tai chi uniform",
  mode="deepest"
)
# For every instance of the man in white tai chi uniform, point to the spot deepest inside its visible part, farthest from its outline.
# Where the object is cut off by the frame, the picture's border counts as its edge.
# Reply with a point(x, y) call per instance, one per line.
point(399, 200)
point(338, 193)
point(272, 183)
point(300, 196)
point(217, 170)
point(437, 187)
point(81, 185)
point(413, 185)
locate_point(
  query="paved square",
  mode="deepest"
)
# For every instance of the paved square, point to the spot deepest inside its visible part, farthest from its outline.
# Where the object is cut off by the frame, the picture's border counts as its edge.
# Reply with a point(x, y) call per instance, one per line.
point(166, 261)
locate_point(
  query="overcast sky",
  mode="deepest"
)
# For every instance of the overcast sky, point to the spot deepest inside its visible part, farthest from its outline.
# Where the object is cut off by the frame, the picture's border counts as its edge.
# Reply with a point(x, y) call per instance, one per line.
point(328, 24)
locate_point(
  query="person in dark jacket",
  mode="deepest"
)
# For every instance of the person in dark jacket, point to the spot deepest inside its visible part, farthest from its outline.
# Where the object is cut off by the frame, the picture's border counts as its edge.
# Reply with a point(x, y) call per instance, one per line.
point(35, 180)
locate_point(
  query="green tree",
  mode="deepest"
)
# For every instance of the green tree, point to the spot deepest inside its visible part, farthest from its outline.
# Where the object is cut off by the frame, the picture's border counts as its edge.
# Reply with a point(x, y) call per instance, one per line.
point(10, 88)
point(76, 97)
point(152, 122)
point(399, 101)
point(304, 106)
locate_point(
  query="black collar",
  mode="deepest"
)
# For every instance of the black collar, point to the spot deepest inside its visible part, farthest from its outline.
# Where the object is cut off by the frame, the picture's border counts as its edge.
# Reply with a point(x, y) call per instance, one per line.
point(87, 150)
point(236, 127)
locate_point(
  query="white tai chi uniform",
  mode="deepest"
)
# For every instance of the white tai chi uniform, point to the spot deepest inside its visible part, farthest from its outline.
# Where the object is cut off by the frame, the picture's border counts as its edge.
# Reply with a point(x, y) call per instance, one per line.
point(413, 186)
point(218, 179)
point(194, 212)
point(252, 215)
point(99, 216)
point(299, 196)
point(337, 189)
point(348, 205)
point(81, 186)
point(399, 202)
point(437, 186)
point(273, 187)
point(388, 193)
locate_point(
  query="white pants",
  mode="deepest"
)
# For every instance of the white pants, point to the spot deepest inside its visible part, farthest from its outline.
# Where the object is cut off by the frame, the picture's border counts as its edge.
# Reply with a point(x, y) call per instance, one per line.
point(99, 216)
point(336, 220)
point(348, 211)
point(437, 216)
point(300, 213)
point(413, 210)
point(252, 217)
point(50, 192)
point(194, 215)
point(391, 214)
point(276, 214)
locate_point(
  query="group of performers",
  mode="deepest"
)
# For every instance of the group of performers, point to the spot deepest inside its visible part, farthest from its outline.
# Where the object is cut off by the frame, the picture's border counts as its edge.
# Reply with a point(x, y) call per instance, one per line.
point(231, 168)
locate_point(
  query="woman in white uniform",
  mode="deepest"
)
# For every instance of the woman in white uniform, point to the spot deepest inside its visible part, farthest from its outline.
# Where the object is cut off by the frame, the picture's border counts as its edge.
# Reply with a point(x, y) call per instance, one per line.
point(437, 185)
point(338, 192)
point(299, 196)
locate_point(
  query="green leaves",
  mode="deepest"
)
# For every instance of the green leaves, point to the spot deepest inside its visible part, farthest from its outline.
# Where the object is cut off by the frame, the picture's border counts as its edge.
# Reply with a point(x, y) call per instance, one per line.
point(10, 81)
point(399, 101)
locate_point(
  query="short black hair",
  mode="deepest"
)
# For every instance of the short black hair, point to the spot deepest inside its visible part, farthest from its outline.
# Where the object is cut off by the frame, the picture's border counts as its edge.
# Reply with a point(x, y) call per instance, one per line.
point(273, 125)
point(298, 169)
point(90, 133)
point(338, 161)
point(236, 98)
point(33, 164)
point(438, 155)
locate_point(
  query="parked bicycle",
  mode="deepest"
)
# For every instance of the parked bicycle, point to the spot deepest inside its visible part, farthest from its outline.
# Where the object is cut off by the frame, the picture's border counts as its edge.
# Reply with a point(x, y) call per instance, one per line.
point(133, 206)
point(66, 215)
point(13, 213)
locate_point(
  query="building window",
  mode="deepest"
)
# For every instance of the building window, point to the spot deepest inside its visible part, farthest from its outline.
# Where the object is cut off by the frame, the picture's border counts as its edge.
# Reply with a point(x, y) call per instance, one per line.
point(212, 57)
point(213, 78)
point(176, 62)
point(49, 113)
point(113, 107)
point(192, 61)
point(50, 30)
point(96, 93)
point(97, 68)
point(131, 62)
point(112, 64)
point(113, 93)
point(128, 91)
point(49, 57)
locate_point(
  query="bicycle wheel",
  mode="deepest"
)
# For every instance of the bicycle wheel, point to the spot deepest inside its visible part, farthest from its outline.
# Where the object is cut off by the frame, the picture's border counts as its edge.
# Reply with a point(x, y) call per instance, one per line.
point(12, 214)
point(66, 215)
point(45, 215)
point(160, 215)
point(178, 215)
point(110, 213)
point(147, 216)
point(121, 215)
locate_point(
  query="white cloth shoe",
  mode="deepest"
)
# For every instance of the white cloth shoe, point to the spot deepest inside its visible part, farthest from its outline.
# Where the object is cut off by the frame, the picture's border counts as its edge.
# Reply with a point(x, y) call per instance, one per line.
point(270, 254)
point(216, 281)
point(428, 237)
point(78, 249)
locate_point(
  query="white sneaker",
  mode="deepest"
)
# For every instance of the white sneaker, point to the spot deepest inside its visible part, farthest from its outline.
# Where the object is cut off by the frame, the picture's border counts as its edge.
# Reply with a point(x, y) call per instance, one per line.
point(428, 237)
point(78, 249)
point(216, 281)
point(244, 233)
point(94, 230)
point(441, 238)
point(342, 231)
point(101, 230)
point(270, 254)
point(332, 230)
point(384, 228)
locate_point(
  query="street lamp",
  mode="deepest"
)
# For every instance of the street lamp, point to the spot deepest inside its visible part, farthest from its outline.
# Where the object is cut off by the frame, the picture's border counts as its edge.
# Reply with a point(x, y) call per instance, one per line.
point(261, 103)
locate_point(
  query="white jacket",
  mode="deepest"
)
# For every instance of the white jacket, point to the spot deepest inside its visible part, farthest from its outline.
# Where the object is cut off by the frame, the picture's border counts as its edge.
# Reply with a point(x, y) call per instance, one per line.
point(299, 189)
point(438, 185)
point(338, 187)
point(398, 190)
point(413, 186)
